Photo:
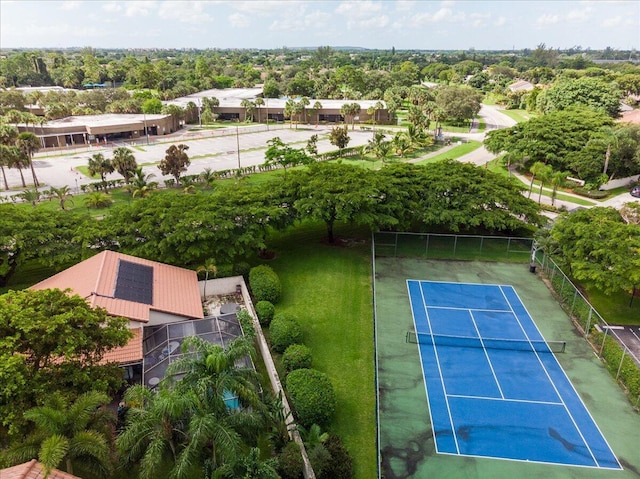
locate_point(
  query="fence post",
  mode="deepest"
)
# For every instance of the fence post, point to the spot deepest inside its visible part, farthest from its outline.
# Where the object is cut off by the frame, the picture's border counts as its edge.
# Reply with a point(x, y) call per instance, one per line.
point(604, 340)
point(426, 252)
point(395, 252)
point(509, 246)
point(573, 304)
point(586, 330)
point(624, 351)
point(455, 245)
point(562, 286)
point(481, 241)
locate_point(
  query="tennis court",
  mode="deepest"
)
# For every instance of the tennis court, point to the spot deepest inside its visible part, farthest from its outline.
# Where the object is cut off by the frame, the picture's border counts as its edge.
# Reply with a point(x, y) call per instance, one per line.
point(494, 386)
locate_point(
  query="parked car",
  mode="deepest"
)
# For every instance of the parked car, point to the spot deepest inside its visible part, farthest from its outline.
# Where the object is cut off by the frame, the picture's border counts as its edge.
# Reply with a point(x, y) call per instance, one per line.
point(635, 191)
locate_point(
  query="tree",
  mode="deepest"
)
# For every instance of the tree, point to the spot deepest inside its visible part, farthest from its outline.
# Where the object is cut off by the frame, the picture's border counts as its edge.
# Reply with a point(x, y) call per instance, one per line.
point(72, 436)
point(97, 199)
point(8, 137)
point(558, 180)
point(251, 466)
point(249, 107)
point(53, 341)
point(208, 267)
point(598, 246)
point(152, 106)
point(14, 158)
point(124, 162)
point(175, 161)
point(99, 165)
point(312, 145)
point(334, 192)
point(537, 169)
point(283, 155)
point(258, 102)
point(339, 137)
point(350, 111)
point(585, 91)
point(380, 148)
point(458, 103)
point(31, 196)
point(29, 144)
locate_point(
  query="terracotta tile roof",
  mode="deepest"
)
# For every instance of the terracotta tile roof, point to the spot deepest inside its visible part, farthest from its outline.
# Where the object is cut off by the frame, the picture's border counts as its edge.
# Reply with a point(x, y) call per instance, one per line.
point(175, 290)
point(632, 116)
point(33, 470)
point(130, 353)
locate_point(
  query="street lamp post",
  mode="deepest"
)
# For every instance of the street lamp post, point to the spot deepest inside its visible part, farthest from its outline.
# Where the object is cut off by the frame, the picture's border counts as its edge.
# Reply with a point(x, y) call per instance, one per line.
point(267, 103)
point(238, 146)
point(146, 130)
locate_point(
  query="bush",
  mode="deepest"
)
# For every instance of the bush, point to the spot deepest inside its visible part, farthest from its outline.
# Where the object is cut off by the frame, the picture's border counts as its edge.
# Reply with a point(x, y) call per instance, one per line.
point(242, 269)
point(246, 321)
point(265, 311)
point(312, 396)
point(340, 465)
point(591, 193)
point(290, 463)
point(283, 332)
point(297, 356)
point(265, 284)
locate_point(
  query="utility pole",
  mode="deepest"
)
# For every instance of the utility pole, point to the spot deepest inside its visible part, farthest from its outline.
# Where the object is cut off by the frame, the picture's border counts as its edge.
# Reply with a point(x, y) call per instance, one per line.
point(238, 145)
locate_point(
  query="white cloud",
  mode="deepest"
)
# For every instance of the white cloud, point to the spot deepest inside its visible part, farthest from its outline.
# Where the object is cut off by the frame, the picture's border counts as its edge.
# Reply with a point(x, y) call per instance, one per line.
point(70, 5)
point(447, 3)
point(359, 9)
point(141, 8)
point(379, 21)
point(405, 5)
point(579, 16)
point(317, 19)
point(191, 12)
point(547, 19)
point(238, 20)
point(258, 7)
point(111, 7)
point(500, 21)
point(611, 22)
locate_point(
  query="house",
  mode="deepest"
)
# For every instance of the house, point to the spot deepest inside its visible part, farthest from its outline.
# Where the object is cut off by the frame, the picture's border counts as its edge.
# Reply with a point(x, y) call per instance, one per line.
point(146, 292)
point(521, 85)
point(33, 470)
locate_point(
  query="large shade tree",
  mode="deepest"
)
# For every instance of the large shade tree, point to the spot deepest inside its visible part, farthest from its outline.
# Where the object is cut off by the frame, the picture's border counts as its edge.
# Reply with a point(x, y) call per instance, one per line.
point(51, 340)
point(175, 161)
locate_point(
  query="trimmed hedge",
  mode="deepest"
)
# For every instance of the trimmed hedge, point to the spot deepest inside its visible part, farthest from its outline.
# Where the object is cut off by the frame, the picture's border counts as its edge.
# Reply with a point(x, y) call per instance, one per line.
point(283, 332)
point(297, 356)
point(341, 465)
point(290, 464)
point(312, 397)
point(265, 311)
point(265, 284)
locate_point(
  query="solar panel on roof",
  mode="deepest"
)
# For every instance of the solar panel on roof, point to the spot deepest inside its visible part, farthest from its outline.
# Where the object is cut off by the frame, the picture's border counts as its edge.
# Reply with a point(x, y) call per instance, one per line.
point(134, 282)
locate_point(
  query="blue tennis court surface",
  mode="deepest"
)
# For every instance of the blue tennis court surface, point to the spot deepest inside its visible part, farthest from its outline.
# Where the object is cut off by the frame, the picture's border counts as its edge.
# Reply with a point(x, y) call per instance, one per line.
point(494, 387)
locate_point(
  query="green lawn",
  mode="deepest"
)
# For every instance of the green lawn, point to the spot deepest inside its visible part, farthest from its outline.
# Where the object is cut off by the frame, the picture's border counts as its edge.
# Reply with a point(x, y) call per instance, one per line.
point(329, 289)
point(615, 308)
point(519, 115)
point(455, 152)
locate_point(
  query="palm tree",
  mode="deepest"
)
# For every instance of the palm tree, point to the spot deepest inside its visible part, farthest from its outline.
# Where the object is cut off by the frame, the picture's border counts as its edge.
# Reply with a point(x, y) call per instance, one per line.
point(154, 429)
point(535, 169)
point(544, 175)
point(208, 267)
point(304, 103)
point(99, 165)
point(141, 184)
point(97, 199)
point(289, 111)
point(30, 196)
point(401, 143)
point(557, 180)
point(124, 163)
point(208, 176)
point(29, 144)
point(317, 106)
point(215, 430)
point(250, 466)
point(258, 102)
point(69, 436)
point(248, 108)
point(5, 152)
point(15, 158)
point(62, 194)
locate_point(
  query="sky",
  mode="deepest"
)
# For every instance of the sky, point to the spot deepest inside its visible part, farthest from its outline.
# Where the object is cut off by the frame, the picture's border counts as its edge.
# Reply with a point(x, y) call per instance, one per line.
point(267, 24)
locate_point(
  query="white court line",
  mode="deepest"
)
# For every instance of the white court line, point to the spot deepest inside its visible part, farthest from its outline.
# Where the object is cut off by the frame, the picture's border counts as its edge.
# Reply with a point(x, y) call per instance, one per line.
point(572, 387)
point(424, 376)
point(586, 443)
point(474, 309)
point(527, 401)
point(486, 354)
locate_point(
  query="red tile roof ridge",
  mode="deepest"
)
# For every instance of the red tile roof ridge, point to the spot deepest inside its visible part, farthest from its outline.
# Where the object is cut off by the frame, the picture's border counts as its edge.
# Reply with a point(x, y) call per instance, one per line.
point(99, 275)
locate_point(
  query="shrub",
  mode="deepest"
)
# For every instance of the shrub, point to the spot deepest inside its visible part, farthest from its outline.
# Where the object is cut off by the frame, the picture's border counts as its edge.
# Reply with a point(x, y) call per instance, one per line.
point(265, 284)
point(340, 465)
point(290, 463)
point(225, 270)
point(283, 332)
point(265, 311)
point(297, 356)
point(312, 396)
point(246, 321)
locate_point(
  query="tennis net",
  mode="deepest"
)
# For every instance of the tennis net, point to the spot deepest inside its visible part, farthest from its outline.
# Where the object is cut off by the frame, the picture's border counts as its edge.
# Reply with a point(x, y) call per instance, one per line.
point(486, 343)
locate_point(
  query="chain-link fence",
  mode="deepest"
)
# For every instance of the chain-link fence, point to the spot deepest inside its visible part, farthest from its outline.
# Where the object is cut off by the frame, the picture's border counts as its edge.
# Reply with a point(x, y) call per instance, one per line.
point(456, 247)
point(621, 362)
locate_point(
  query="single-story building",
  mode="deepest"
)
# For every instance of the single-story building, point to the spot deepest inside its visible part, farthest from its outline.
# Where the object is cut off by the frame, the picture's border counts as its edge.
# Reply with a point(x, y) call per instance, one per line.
point(521, 85)
point(97, 129)
point(33, 470)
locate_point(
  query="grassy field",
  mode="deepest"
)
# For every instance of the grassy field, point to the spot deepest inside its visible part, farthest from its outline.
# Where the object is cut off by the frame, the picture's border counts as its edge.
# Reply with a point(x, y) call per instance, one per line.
point(455, 152)
point(519, 115)
point(328, 288)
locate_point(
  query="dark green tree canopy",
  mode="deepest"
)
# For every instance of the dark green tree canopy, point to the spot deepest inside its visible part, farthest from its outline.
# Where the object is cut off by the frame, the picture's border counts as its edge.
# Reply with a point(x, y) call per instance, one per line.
point(588, 92)
point(52, 341)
